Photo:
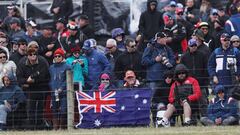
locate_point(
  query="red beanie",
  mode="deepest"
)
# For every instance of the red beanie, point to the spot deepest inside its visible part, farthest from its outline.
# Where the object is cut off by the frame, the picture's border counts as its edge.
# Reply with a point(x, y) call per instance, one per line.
point(59, 51)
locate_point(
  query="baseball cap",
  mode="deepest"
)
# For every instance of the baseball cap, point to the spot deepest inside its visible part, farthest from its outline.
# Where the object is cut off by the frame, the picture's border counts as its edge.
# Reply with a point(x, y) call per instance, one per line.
point(105, 76)
point(225, 36)
point(192, 42)
point(172, 4)
point(72, 26)
point(160, 35)
point(62, 20)
point(14, 20)
point(218, 89)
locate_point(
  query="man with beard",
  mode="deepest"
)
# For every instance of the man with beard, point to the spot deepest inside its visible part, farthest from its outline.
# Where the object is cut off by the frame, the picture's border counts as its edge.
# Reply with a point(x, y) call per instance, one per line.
point(183, 97)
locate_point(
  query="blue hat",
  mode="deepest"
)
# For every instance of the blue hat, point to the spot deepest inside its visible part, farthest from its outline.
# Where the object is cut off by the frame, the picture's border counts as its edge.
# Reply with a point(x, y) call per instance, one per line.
point(219, 88)
point(192, 42)
point(117, 31)
point(87, 44)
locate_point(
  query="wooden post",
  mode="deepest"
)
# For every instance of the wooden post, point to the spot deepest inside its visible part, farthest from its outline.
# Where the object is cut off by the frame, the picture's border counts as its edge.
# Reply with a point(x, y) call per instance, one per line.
point(70, 100)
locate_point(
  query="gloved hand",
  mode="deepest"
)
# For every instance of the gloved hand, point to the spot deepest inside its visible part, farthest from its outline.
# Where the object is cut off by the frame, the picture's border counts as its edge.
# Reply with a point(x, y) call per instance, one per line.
point(101, 87)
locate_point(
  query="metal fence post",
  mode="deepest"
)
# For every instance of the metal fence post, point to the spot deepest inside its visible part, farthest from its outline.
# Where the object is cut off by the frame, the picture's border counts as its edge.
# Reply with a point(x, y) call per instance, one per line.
point(70, 100)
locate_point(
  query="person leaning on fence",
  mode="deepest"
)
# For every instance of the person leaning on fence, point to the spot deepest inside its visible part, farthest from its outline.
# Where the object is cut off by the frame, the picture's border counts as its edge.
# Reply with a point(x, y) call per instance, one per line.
point(11, 96)
point(221, 110)
point(184, 96)
point(58, 89)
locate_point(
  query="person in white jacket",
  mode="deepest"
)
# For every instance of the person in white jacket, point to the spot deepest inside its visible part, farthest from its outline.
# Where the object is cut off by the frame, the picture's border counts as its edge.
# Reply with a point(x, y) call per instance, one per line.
point(6, 66)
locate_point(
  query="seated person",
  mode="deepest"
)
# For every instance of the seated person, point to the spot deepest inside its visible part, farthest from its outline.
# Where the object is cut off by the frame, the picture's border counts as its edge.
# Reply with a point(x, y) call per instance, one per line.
point(183, 96)
point(130, 80)
point(221, 110)
point(104, 83)
point(11, 95)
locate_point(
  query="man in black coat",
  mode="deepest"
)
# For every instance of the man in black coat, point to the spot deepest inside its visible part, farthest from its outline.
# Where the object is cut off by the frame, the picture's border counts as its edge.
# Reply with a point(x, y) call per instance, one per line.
point(149, 24)
point(61, 9)
point(33, 76)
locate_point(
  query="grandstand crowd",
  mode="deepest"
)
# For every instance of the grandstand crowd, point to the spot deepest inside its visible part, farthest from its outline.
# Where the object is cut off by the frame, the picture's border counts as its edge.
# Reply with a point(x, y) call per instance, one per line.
point(187, 54)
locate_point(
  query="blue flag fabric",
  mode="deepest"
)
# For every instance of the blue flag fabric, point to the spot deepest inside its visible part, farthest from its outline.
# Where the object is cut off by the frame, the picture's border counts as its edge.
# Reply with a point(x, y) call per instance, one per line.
point(128, 107)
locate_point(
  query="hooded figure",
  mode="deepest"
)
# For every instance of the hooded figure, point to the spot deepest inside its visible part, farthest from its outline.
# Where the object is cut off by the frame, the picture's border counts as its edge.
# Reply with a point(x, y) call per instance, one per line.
point(6, 66)
point(11, 95)
point(180, 69)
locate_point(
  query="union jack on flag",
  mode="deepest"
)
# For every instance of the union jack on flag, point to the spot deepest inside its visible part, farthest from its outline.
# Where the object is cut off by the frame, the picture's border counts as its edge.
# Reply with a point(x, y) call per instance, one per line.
point(97, 102)
point(127, 107)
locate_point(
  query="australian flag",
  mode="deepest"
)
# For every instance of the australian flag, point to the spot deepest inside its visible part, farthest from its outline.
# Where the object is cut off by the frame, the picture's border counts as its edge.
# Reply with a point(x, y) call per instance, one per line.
point(128, 107)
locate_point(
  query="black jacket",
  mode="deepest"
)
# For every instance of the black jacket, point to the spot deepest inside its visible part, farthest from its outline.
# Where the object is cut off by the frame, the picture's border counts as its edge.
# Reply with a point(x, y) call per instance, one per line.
point(129, 61)
point(39, 73)
point(150, 22)
point(197, 64)
point(66, 8)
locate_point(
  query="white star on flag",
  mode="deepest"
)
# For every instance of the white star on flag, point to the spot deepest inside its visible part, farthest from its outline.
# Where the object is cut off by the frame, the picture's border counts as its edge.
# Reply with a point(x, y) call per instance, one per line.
point(122, 107)
point(136, 96)
point(144, 101)
point(97, 122)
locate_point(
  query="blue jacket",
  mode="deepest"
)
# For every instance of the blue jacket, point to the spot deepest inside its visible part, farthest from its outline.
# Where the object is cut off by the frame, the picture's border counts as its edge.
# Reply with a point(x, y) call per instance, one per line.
point(218, 64)
point(155, 70)
point(58, 77)
point(232, 26)
point(13, 94)
point(79, 72)
point(222, 108)
point(97, 64)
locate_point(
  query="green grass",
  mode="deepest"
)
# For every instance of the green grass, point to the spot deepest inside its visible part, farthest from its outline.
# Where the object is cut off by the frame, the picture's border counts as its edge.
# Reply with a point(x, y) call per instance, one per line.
point(229, 130)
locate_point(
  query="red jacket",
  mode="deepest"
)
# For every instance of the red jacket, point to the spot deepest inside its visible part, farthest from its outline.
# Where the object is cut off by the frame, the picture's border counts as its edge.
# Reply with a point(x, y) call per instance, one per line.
point(190, 85)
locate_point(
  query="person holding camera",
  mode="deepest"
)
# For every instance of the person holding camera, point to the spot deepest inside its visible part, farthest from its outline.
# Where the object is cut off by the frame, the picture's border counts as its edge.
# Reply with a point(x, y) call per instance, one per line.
point(183, 97)
point(221, 61)
point(33, 76)
point(157, 58)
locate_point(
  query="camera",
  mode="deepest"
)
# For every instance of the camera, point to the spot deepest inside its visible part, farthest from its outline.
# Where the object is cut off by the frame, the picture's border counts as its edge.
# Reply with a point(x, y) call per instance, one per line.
point(165, 61)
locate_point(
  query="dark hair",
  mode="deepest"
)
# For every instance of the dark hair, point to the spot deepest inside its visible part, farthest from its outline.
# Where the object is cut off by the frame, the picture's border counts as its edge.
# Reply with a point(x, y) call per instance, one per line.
point(128, 40)
point(31, 50)
point(3, 51)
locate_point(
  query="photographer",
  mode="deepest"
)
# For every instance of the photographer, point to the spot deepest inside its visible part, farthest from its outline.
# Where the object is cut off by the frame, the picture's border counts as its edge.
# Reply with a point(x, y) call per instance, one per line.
point(157, 58)
point(183, 96)
point(220, 61)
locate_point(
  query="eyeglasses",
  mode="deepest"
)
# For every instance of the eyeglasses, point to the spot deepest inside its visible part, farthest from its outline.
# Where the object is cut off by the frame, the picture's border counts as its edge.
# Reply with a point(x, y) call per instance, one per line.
point(58, 56)
point(180, 13)
point(180, 73)
point(235, 41)
point(104, 79)
point(33, 54)
point(3, 42)
point(2, 57)
point(194, 45)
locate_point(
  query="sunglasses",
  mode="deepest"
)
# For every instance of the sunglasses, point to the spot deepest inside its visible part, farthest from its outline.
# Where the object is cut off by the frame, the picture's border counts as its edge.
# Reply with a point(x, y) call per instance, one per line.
point(235, 41)
point(2, 57)
point(77, 52)
point(133, 46)
point(110, 47)
point(226, 39)
point(22, 43)
point(105, 79)
point(180, 13)
point(180, 73)
point(204, 28)
point(57, 56)
point(33, 54)
point(194, 45)
point(3, 42)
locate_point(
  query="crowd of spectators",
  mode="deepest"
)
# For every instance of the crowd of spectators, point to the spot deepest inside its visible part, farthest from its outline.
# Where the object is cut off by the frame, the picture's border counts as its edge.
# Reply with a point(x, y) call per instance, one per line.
point(183, 53)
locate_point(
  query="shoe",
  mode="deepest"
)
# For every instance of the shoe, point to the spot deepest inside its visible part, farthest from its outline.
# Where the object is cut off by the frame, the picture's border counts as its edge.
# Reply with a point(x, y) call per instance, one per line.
point(162, 123)
point(189, 123)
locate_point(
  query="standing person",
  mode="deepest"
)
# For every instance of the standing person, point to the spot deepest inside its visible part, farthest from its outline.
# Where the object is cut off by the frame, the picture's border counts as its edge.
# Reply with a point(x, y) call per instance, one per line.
point(221, 110)
point(21, 51)
point(58, 89)
point(235, 40)
point(191, 12)
point(47, 44)
point(33, 76)
point(129, 60)
point(61, 9)
point(97, 64)
point(232, 25)
point(196, 62)
point(85, 26)
point(150, 23)
point(15, 28)
point(6, 66)
point(112, 52)
point(220, 62)
point(184, 94)
point(157, 58)
point(79, 66)
point(62, 34)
